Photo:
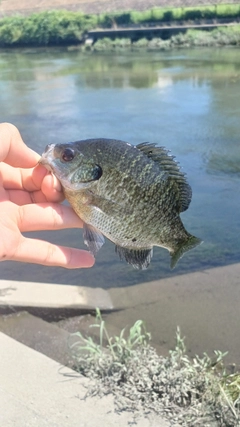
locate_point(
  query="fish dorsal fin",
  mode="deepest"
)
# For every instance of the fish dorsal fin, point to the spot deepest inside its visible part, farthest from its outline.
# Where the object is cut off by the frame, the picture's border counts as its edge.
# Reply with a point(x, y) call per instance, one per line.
point(168, 164)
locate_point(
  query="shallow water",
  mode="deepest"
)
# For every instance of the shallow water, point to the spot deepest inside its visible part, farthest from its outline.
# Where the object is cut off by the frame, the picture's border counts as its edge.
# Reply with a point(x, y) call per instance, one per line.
point(186, 100)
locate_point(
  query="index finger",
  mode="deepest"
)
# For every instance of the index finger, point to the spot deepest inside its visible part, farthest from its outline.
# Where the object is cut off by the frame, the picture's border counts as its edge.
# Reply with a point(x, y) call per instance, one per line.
point(45, 253)
point(47, 216)
point(13, 150)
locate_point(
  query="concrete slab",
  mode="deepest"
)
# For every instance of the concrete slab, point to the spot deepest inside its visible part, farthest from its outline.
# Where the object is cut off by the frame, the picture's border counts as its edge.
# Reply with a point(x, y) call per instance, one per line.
point(39, 335)
point(35, 393)
point(52, 339)
point(52, 296)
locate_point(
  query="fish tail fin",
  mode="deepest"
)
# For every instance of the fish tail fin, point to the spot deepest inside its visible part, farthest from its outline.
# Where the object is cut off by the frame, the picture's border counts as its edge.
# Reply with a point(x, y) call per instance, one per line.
point(183, 247)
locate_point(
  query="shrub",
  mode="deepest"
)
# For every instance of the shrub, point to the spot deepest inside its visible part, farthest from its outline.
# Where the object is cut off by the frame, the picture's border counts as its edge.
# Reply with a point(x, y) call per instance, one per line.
point(226, 36)
point(192, 13)
point(208, 12)
point(135, 16)
point(145, 16)
point(216, 37)
point(51, 27)
point(168, 15)
point(201, 12)
point(158, 44)
point(123, 18)
point(177, 13)
point(106, 20)
point(10, 34)
point(141, 43)
point(157, 14)
point(227, 11)
point(103, 44)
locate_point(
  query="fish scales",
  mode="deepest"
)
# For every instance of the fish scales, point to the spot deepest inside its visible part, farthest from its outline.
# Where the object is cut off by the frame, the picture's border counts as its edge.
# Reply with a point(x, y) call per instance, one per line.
point(132, 195)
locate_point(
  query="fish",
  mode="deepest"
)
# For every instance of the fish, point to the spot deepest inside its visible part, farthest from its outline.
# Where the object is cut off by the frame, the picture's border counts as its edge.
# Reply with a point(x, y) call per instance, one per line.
point(131, 194)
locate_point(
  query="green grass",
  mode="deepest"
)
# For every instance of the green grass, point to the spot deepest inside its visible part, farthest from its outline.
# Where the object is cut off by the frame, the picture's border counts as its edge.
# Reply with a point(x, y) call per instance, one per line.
point(193, 392)
point(119, 347)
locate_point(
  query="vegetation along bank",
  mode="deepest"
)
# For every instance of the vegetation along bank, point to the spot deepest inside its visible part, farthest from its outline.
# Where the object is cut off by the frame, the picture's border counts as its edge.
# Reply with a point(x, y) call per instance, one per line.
point(155, 28)
point(186, 392)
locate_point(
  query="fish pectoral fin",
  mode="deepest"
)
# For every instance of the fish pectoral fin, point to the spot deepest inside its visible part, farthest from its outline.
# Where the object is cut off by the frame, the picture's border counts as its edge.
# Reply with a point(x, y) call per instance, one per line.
point(92, 238)
point(138, 258)
point(180, 249)
point(110, 207)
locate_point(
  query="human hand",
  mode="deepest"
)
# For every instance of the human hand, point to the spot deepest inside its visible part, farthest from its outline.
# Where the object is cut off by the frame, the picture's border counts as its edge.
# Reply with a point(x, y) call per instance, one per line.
point(29, 201)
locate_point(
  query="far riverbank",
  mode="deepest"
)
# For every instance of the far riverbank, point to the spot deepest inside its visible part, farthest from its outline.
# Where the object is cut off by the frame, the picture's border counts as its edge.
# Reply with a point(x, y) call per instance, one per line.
point(155, 28)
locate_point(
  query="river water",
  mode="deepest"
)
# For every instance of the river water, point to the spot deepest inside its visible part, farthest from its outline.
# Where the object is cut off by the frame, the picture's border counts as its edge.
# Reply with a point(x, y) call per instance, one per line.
point(186, 100)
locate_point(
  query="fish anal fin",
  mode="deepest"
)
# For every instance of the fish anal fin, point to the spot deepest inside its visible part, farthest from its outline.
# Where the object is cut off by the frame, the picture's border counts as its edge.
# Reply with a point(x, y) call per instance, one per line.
point(138, 258)
point(92, 238)
point(182, 248)
point(168, 164)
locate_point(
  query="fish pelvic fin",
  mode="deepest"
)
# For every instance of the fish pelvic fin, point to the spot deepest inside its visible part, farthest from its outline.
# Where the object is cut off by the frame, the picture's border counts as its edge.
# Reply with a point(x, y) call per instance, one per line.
point(182, 248)
point(92, 238)
point(138, 258)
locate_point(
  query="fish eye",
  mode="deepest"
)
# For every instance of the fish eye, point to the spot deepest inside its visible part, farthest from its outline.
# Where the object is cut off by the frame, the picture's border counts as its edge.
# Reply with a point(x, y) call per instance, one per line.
point(68, 154)
point(97, 172)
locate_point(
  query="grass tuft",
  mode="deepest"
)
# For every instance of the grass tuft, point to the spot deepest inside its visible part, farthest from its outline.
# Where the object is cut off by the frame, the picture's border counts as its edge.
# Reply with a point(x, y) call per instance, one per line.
point(189, 392)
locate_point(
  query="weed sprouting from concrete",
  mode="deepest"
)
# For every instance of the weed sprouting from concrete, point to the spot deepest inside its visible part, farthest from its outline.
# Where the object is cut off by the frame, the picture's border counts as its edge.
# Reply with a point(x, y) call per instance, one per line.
point(187, 392)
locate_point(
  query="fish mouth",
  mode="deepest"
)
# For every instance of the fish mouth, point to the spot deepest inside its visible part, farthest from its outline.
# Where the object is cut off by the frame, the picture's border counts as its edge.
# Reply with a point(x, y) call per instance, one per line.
point(45, 163)
point(46, 156)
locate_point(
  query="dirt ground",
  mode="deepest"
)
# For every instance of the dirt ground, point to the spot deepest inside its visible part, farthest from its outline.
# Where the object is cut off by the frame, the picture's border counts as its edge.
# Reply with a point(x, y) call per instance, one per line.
point(9, 7)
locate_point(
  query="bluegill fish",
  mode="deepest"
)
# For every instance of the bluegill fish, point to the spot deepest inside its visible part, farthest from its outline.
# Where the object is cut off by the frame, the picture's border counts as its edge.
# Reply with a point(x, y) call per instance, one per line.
point(133, 195)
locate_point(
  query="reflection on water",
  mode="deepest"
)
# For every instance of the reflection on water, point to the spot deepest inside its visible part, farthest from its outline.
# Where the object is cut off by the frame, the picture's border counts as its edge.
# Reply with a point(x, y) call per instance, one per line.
point(187, 101)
